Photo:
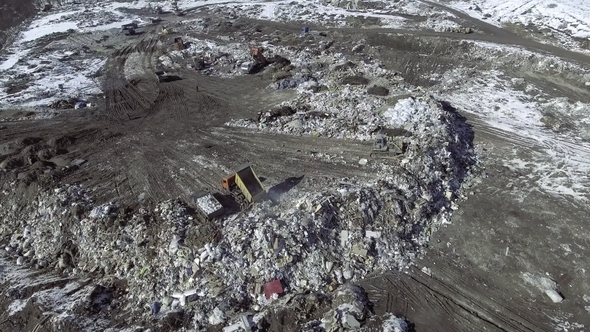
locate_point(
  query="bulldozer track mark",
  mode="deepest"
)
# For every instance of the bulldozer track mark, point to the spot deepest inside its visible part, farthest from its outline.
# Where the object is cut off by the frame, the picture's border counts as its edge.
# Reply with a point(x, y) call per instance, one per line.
point(457, 305)
point(452, 286)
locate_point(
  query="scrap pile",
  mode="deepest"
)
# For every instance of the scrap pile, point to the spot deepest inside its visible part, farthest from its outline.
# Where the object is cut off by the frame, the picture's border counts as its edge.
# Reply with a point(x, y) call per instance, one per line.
point(316, 238)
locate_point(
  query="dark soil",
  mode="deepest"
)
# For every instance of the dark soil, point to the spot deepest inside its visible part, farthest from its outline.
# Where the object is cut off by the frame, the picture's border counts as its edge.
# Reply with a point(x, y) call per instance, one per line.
point(378, 90)
point(12, 14)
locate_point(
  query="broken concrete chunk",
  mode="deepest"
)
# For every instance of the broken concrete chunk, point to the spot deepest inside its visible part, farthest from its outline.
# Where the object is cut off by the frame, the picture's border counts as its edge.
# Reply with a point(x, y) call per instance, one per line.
point(233, 328)
point(329, 266)
point(554, 295)
point(217, 317)
point(344, 235)
point(391, 323)
point(246, 324)
point(185, 297)
point(60, 161)
point(363, 162)
point(351, 322)
point(373, 234)
point(347, 274)
point(78, 162)
point(359, 250)
point(358, 48)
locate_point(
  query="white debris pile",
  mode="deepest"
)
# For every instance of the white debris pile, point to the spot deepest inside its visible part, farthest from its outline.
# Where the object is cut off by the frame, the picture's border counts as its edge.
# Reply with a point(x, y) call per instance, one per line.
point(34, 78)
point(326, 105)
point(212, 58)
point(560, 115)
point(135, 244)
point(395, 324)
point(343, 233)
point(314, 239)
point(350, 309)
point(208, 204)
point(89, 18)
point(41, 235)
point(347, 113)
point(311, 11)
point(441, 22)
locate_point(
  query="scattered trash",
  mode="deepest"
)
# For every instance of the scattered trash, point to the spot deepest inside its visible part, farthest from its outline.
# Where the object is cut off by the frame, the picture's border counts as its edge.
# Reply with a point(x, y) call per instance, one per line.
point(350, 308)
point(185, 297)
point(217, 317)
point(105, 210)
point(243, 324)
point(155, 307)
point(373, 234)
point(208, 205)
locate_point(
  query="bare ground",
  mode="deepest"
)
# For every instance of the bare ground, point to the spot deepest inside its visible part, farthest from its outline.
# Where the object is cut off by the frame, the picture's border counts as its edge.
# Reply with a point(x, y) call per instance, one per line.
point(162, 138)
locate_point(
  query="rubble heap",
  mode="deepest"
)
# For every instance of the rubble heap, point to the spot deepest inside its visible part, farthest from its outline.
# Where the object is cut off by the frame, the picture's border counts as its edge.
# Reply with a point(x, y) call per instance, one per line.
point(317, 237)
point(323, 234)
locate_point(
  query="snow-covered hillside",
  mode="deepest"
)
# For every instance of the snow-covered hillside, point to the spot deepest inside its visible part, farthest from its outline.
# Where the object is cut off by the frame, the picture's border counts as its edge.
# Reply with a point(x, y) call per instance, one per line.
point(568, 16)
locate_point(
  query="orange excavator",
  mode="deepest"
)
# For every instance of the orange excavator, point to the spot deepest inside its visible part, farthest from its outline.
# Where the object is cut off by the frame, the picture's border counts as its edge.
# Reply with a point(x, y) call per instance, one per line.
point(259, 61)
point(258, 56)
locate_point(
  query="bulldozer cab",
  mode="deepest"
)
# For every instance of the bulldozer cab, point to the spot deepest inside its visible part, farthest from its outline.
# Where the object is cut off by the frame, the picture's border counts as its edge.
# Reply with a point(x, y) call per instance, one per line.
point(228, 181)
point(385, 144)
point(257, 55)
point(380, 142)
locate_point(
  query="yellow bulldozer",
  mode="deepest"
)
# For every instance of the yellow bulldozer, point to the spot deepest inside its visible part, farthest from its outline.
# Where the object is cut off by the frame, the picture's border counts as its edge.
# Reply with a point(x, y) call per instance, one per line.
point(387, 147)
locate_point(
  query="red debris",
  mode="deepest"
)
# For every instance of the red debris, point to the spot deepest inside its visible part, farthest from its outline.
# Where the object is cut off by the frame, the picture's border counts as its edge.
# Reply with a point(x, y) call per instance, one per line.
point(273, 287)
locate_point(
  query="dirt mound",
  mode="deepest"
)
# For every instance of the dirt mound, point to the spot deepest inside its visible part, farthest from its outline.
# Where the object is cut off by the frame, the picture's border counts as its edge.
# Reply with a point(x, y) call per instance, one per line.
point(61, 142)
point(355, 80)
point(378, 90)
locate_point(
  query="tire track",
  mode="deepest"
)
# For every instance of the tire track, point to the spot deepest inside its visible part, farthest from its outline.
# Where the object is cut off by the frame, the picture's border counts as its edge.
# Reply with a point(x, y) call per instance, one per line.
point(450, 300)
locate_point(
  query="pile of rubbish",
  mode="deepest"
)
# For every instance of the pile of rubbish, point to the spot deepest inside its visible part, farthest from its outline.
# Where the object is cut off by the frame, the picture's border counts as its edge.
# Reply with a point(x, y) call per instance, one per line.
point(319, 236)
point(222, 60)
point(44, 238)
point(93, 18)
point(344, 113)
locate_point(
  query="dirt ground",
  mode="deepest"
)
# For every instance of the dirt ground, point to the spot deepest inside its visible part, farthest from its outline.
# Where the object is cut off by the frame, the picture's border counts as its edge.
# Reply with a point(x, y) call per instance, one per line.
point(160, 139)
point(506, 228)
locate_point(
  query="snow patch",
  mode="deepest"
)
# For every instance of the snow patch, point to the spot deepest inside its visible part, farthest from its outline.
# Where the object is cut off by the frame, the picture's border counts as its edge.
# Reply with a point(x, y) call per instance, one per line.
point(528, 119)
point(570, 17)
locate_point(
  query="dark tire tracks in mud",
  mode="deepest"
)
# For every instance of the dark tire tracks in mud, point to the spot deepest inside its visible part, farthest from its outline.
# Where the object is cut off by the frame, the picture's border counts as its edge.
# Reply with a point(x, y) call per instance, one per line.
point(447, 301)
